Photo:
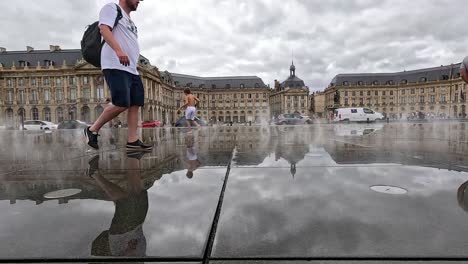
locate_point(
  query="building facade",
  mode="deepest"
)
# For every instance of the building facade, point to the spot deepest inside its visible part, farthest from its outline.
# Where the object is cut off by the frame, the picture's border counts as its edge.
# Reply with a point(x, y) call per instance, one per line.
point(290, 96)
point(439, 91)
point(317, 104)
point(236, 99)
point(56, 85)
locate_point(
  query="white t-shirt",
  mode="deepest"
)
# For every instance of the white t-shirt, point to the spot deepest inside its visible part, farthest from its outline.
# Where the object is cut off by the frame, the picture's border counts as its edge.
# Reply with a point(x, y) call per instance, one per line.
point(126, 34)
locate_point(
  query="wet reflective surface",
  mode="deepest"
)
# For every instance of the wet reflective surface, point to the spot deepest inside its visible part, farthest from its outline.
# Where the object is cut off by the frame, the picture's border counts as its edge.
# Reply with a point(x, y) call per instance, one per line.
point(345, 190)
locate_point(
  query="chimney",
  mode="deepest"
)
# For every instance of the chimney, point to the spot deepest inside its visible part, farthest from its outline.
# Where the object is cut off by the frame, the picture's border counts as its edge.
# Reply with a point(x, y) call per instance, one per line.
point(29, 48)
point(2, 50)
point(54, 48)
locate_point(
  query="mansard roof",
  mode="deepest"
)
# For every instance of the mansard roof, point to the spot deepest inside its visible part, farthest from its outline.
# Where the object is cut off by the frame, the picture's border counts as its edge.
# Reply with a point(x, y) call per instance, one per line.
point(32, 58)
point(224, 82)
point(414, 76)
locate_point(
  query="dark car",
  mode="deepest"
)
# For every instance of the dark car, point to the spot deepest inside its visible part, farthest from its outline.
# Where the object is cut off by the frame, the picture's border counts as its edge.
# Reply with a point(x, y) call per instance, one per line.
point(72, 124)
point(182, 122)
point(292, 119)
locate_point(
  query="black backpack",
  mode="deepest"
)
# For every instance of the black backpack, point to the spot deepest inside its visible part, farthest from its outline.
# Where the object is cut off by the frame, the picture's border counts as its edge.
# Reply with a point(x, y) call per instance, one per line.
point(91, 44)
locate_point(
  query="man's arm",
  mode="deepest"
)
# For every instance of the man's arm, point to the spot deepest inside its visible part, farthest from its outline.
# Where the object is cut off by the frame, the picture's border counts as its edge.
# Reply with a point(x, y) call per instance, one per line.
point(186, 103)
point(106, 33)
point(464, 74)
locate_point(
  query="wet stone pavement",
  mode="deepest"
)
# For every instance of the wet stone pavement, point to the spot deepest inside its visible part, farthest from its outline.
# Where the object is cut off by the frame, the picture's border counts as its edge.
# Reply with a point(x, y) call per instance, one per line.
point(343, 193)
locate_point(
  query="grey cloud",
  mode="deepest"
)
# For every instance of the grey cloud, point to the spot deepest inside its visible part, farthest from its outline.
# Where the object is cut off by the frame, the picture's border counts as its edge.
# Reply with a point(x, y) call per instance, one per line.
point(209, 38)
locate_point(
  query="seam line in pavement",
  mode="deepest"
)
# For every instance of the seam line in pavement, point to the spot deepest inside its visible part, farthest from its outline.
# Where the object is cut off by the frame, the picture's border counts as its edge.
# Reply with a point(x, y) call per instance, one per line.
point(214, 226)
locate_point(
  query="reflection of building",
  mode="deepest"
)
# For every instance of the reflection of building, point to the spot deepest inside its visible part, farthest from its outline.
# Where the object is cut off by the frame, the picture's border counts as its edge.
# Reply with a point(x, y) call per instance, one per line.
point(292, 146)
point(438, 90)
point(443, 147)
point(290, 96)
point(224, 99)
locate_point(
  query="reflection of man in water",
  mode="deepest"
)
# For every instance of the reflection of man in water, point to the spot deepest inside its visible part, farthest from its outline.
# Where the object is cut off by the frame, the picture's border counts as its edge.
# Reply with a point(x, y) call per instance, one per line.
point(192, 158)
point(125, 236)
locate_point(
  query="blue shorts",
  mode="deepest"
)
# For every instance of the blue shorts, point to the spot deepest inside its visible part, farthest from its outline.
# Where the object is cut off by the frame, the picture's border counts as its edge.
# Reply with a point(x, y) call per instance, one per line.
point(126, 88)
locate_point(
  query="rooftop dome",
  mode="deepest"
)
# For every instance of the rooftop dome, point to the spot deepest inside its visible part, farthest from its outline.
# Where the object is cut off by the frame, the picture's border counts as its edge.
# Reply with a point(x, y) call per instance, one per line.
point(293, 80)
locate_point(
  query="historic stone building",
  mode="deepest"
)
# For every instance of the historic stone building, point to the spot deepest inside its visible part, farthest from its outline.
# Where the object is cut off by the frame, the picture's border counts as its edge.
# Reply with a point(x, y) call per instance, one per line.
point(438, 90)
point(317, 104)
point(56, 85)
point(235, 99)
point(290, 96)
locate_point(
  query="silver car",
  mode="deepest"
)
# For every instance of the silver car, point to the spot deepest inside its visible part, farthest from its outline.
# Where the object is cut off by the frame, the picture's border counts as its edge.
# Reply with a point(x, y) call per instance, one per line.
point(39, 125)
point(293, 119)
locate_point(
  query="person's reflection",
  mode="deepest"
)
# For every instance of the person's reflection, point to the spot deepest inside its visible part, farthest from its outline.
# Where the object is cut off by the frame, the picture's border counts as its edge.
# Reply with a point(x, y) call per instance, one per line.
point(125, 236)
point(462, 196)
point(192, 157)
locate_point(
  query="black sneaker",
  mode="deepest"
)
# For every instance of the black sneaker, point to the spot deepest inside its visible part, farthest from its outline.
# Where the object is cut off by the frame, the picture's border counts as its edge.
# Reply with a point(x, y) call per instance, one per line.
point(138, 145)
point(92, 138)
point(93, 166)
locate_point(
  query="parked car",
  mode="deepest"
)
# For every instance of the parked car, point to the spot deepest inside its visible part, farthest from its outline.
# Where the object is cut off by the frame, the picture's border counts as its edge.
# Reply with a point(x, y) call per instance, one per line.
point(292, 119)
point(357, 114)
point(39, 125)
point(182, 122)
point(154, 123)
point(72, 124)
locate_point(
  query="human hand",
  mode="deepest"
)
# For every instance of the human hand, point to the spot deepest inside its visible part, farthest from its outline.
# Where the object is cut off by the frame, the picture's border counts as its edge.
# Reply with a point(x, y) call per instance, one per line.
point(123, 58)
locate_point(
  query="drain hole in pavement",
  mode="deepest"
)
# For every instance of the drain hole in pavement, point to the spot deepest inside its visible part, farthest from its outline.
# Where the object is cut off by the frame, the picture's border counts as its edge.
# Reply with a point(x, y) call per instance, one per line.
point(61, 193)
point(389, 189)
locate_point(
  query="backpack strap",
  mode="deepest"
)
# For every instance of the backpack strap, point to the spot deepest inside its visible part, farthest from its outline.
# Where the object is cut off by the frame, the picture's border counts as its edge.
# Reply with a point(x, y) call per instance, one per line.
point(117, 19)
point(119, 16)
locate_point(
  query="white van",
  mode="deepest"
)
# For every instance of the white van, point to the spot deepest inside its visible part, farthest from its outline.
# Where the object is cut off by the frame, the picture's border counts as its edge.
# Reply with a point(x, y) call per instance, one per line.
point(357, 114)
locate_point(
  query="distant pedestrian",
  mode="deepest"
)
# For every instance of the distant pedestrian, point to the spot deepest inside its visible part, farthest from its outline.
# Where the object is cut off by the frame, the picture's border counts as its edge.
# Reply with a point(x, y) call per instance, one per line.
point(190, 110)
point(119, 60)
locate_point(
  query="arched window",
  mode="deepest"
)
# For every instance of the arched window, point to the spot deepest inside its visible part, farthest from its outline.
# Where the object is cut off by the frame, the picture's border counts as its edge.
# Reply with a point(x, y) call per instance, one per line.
point(360, 83)
point(59, 114)
point(35, 114)
point(375, 82)
point(47, 116)
point(423, 79)
point(404, 81)
point(345, 83)
point(242, 86)
point(98, 110)
point(85, 114)
point(22, 113)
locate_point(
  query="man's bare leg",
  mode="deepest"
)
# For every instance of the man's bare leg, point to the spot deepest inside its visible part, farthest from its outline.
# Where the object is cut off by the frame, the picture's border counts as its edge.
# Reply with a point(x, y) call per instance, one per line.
point(189, 124)
point(108, 114)
point(132, 121)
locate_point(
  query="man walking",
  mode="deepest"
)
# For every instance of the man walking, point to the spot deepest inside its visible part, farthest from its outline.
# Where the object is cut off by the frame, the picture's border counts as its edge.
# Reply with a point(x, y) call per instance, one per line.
point(119, 60)
point(190, 111)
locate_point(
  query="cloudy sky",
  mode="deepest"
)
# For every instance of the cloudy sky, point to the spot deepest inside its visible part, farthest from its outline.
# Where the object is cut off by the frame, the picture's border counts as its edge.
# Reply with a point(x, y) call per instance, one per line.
point(257, 37)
